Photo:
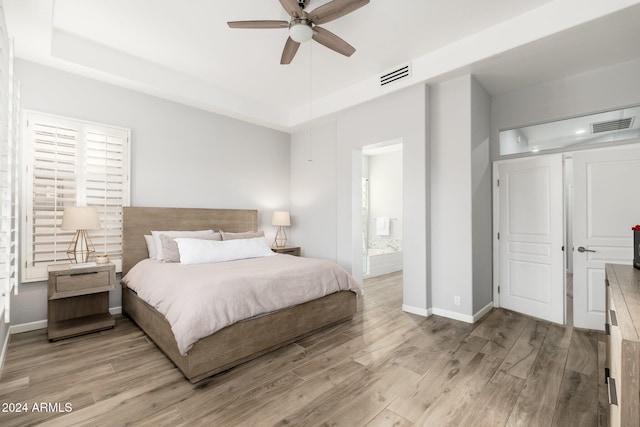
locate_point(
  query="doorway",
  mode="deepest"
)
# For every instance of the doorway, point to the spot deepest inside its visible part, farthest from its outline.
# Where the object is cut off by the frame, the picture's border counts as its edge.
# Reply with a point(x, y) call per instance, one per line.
point(596, 221)
point(378, 217)
point(382, 209)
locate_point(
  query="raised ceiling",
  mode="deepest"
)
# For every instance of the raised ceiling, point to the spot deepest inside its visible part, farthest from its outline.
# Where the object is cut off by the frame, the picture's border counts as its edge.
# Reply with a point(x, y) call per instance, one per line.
point(184, 50)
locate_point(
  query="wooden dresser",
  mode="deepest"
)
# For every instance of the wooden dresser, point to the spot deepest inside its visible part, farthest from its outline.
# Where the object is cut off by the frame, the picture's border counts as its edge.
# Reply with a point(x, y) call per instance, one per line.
point(623, 344)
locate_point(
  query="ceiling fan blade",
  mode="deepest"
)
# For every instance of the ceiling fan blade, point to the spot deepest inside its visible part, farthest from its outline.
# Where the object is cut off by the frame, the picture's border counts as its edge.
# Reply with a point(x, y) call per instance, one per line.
point(334, 10)
point(258, 24)
point(333, 42)
point(293, 8)
point(290, 49)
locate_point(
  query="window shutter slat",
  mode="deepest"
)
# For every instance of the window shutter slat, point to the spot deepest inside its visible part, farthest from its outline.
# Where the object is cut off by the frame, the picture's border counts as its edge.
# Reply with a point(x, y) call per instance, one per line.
point(74, 163)
point(9, 173)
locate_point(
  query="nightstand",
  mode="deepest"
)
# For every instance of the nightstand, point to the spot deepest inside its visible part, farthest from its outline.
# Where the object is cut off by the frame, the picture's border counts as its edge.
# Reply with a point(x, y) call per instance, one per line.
point(289, 250)
point(78, 300)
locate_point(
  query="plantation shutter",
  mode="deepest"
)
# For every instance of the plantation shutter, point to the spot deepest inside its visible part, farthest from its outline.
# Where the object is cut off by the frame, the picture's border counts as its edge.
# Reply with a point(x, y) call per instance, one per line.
point(9, 108)
point(106, 182)
point(73, 163)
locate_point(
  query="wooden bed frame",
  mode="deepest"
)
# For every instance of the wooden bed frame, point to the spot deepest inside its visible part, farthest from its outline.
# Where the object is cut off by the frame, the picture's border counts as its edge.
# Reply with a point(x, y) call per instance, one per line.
point(236, 343)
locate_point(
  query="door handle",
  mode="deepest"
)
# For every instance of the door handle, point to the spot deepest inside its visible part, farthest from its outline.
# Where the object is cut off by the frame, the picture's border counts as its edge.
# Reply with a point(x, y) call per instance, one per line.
point(583, 249)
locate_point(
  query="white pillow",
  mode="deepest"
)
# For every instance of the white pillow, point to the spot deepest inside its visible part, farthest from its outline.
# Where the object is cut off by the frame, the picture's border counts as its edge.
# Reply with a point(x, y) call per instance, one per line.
point(158, 243)
point(170, 250)
point(151, 245)
point(196, 251)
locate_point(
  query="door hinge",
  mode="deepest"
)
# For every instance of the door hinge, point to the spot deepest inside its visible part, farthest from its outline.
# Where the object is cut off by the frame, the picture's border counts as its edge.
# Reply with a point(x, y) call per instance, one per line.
point(498, 183)
point(498, 235)
point(498, 289)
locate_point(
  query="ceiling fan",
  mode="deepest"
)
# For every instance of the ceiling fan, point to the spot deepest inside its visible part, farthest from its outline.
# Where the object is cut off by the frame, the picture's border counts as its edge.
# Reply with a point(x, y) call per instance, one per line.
point(304, 25)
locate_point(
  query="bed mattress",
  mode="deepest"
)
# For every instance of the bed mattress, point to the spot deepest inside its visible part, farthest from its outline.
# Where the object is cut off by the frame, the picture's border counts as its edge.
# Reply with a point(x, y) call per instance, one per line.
point(198, 300)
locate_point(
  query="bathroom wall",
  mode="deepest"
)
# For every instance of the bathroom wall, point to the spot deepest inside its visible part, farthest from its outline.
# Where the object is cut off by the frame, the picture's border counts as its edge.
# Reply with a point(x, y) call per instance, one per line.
point(385, 197)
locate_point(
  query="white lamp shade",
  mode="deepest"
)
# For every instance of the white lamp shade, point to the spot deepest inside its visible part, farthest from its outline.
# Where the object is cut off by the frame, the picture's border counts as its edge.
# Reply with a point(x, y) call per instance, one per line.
point(80, 218)
point(281, 218)
point(300, 32)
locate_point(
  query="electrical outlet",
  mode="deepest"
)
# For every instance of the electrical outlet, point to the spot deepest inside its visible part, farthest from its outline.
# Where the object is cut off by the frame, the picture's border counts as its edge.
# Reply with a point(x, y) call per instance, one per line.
point(456, 300)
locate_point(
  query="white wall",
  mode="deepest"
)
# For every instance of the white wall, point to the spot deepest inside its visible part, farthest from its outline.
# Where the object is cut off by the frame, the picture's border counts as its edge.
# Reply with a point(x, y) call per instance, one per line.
point(399, 115)
point(335, 173)
point(451, 239)
point(481, 214)
point(385, 193)
point(180, 156)
point(313, 191)
point(461, 198)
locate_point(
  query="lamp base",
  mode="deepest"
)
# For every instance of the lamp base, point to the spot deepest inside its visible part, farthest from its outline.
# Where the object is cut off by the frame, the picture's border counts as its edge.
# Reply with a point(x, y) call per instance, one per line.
point(80, 248)
point(281, 238)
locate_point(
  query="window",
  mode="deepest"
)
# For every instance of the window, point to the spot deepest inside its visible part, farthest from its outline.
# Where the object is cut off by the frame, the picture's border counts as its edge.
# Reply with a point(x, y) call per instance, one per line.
point(72, 163)
point(9, 107)
point(597, 129)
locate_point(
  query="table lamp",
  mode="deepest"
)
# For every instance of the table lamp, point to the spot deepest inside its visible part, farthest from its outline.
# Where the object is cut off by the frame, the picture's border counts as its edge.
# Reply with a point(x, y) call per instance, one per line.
point(281, 219)
point(81, 219)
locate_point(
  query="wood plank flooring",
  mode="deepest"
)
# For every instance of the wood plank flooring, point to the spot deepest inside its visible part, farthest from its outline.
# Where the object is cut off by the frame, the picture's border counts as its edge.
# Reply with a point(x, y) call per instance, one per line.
point(383, 368)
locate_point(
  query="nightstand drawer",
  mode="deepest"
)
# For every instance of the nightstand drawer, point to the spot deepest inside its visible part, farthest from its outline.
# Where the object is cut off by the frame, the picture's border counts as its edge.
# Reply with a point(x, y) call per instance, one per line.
point(69, 282)
point(82, 281)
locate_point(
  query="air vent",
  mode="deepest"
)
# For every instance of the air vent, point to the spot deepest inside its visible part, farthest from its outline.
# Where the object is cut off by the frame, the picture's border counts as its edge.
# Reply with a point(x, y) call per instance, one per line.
point(612, 125)
point(393, 76)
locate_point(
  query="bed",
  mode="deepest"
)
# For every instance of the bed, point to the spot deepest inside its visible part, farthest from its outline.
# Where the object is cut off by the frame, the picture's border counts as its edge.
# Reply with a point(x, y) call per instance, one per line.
point(241, 341)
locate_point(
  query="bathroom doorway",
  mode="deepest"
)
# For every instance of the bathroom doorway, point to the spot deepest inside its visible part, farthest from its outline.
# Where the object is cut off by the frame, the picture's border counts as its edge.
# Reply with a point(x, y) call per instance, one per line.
point(382, 210)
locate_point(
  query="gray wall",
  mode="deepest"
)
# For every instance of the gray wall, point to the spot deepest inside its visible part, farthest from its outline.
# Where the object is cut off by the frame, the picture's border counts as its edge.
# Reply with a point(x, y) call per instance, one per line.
point(313, 191)
point(461, 198)
point(335, 172)
point(481, 206)
point(598, 90)
point(451, 196)
point(4, 334)
point(180, 156)
point(399, 115)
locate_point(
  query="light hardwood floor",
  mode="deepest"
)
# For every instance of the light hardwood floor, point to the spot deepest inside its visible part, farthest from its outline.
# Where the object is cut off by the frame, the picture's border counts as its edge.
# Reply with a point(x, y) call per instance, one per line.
point(384, 368)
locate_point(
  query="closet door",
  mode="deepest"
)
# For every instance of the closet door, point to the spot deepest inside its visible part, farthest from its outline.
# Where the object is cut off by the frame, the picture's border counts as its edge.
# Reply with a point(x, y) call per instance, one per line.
point(530, 210)
point(606, 206)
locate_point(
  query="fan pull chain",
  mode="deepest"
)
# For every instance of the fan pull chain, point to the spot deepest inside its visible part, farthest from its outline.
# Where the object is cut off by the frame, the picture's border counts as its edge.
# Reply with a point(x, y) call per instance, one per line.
point(309, 156)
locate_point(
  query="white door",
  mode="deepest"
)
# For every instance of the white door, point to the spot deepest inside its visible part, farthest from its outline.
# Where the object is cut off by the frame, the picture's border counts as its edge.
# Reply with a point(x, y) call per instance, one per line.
point(531, 263)
point(606, 206)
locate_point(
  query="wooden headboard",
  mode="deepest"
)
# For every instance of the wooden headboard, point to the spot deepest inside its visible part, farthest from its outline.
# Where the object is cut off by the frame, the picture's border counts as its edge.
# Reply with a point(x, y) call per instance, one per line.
point(140, 221)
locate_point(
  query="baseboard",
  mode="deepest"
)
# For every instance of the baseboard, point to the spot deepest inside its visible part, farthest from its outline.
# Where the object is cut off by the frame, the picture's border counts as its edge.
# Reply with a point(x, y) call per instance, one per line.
point(463, 317)
point(483, 311)
point(42, 324)
point(415, 310)
point(452, 315)
point(27, 327)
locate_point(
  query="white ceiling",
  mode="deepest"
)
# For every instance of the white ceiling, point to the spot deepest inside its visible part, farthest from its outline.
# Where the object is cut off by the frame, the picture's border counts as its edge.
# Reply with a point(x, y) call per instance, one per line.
point(184, 51)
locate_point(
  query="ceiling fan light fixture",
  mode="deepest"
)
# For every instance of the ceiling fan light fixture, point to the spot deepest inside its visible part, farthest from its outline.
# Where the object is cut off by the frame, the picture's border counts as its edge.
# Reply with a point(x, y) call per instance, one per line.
point(300, 32)
point(303, 25)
